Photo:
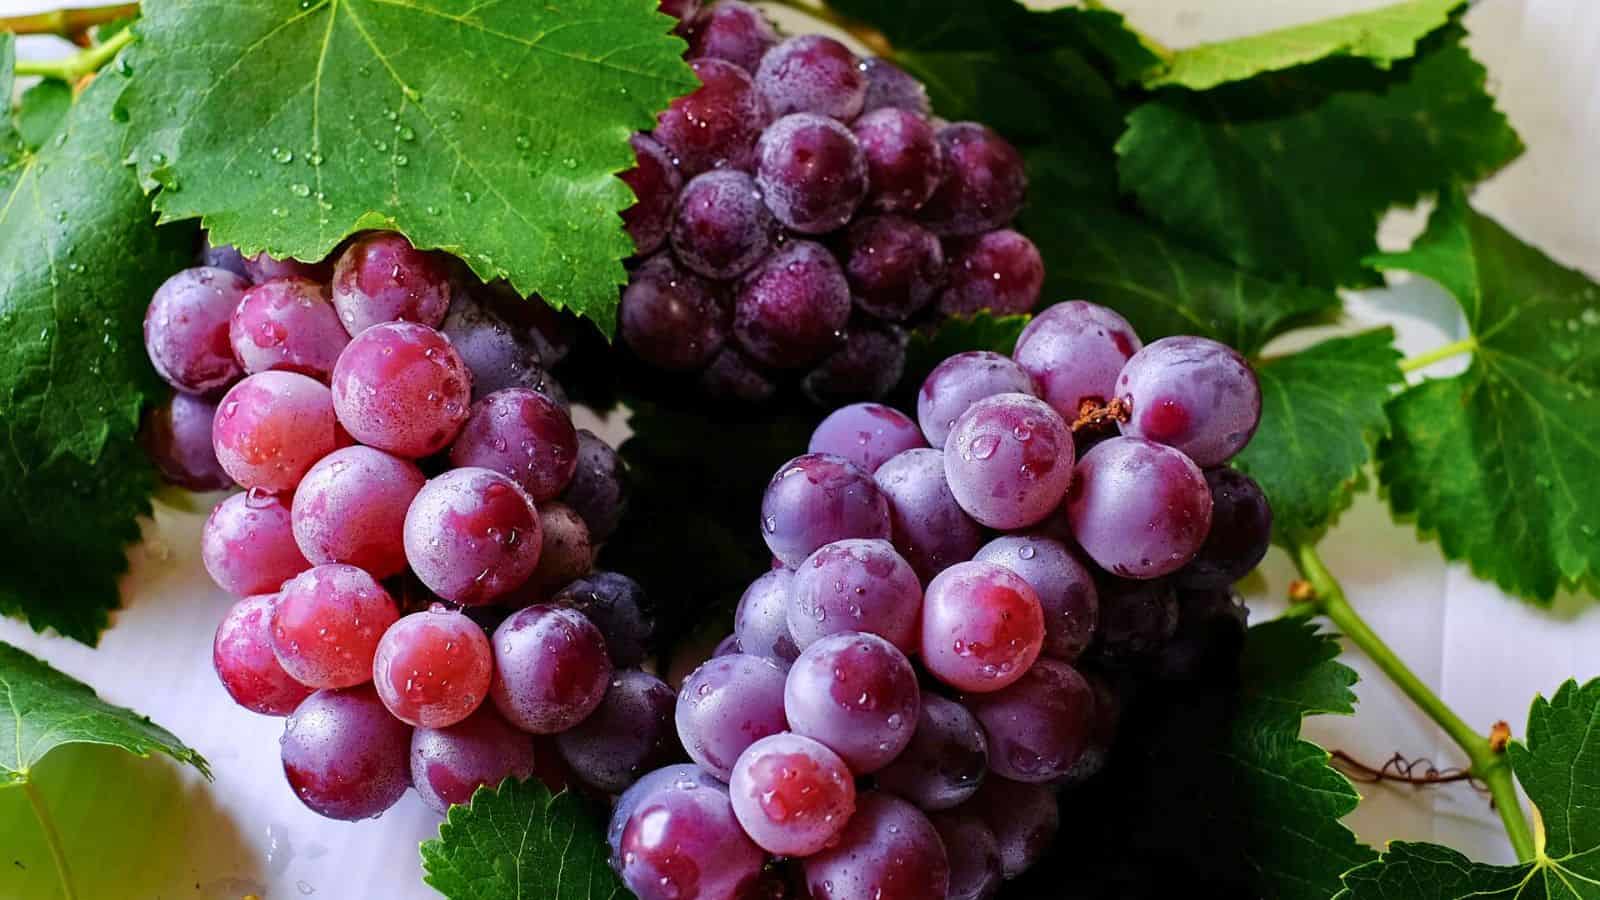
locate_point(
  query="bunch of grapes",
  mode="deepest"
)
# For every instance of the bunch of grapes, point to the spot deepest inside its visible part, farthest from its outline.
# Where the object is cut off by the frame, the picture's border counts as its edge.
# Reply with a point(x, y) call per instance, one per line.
point(802, 209)
point(956, 603)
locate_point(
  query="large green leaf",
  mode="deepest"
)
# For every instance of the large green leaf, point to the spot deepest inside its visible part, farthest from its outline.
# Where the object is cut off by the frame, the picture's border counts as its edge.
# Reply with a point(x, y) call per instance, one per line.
point(488, 129)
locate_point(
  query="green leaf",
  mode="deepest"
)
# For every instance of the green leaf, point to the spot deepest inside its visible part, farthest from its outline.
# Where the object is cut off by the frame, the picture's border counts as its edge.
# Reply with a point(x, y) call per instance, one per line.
point(45, 709)
point(1381, 36)
point(41, 111)
point(517, 842)
point(490, 130)
point(1289, 173)
point(1502, 462)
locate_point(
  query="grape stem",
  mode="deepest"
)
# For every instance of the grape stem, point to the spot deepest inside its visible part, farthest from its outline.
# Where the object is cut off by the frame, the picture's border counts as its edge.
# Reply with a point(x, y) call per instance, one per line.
point(1097, 415)
point(51, 837)
point(67, 22)
point(1487, 757)
point(1424, 360)
point(79, 64)
point(861, 31)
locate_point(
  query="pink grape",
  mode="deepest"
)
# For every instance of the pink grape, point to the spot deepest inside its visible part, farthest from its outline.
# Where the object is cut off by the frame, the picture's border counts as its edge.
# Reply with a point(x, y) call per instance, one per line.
point(401, 387)
point(812, 73)
point(928, 526)
point(1065, 586)
point(522, 434)
point(975, 866)
point(272, 427)
point(905, 162)
point(726, 705)
point(327, 624)
point(720, 227)
point(718, 124)
point(817, 499)
point(248, 544)
point(242, 655)
point(1009, 460)
point(792, 309)
point(811, 171)
point(289, 324)
point(1000, 271)
point(345, 756)
point(761, 623)
point(1024, 819)
point(889, 851)
point(889, 86)
point(1138, 508)
point(432, 668)
point(856, 693)
point(1038, 727)
point(472, 535)
point(982, 627)
point(566, 551)
point(894, 266)
point(867, 434)
point(960, 381)
point(732, 31)
point(382, 278)
point(1194, 394)
point(945, 762)
point(262, 268)
point(628, 734)
point(678, 839)
point(351, 508)
point(792, 795)
point(671, 317)
point(599, 486)
point(551, 669)
point(856, 585)
point(186, 329)
point(1074, 351)
point(984, 185)
point(449, 764)
point(655, 182)
point(177, 437)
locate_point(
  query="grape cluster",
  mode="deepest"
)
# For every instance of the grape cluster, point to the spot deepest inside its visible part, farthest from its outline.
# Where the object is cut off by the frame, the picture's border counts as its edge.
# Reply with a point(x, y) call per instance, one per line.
point(802, 209)
point(956, 605)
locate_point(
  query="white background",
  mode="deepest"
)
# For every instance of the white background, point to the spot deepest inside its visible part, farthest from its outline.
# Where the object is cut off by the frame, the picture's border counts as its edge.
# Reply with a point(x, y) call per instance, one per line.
point(151, 829)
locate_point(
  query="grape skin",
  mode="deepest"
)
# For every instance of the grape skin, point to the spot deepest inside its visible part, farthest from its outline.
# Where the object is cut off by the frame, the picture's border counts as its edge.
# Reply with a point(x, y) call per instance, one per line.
point(717, 125)
point(855, 585)
point(1064, 584)
point(680, 839)
point(894, 266)
point(1000, 271)
point(974, 851)
point(629, 733)
point(1024, 818)
point(1137, 618)
point(817, 499)
point(345, 756)
point(944, 764)
point(566, 551)
point(551, 669)
point(889, 851)
point(449, 764)
point(812, 73)
point(905, 161)
point(868, 366)
point(242, 655)
point(472, 535)
point(732, 31)
point(960, 381)
point(221, 256)
point(327, 624)
point(889, 86)
point(248, 546)
point(498, 353)
point(867, 434)
point(177, 437)
point(1009, 460)
point(985, 184)
point(811, 172)
point(731, 376)
point(856, 693)
point(1138, 508)
point(655, 182)
point(761, 623)
point(351, 508)
point(1039, 727)
point(1074, 351)
point(928, 526)
point(791, 794)
point(599, 486)
point(402, 387)
point(271, 427)
point(720, 226)
point(726, 705)
point(382, 278)
point(432, 668)
point(186, 329)
point(521, 434)
point(671, 317)
point(262, 268)
point(1241, 531)
point(616, 605)
point(289, 324)
point(1194, 394)
point(982, 627)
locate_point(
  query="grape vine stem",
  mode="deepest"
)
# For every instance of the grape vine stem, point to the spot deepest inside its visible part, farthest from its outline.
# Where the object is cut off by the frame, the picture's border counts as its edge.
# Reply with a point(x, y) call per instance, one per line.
point(51, 837)
point(67, 22)
point(1487, 763)
point(79, 64)
point(1424, 360)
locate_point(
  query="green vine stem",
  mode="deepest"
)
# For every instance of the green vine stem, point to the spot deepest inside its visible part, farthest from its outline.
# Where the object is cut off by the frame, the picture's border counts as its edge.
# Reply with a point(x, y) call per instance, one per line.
point(51, 837)
point(67, 22)
point(79, 64)
point(1424, 360)
point(1488, 761)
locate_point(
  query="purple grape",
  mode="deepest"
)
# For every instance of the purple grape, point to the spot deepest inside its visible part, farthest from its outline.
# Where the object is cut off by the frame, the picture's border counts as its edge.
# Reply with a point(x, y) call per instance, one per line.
point(248, 545)
point(1038, 727)
point(945, 762)
point(984, 185)
point(521, 434)
point(1193, 394)
point(351, 508)
point(975, 868)
point(894, 266)
point(1107, 716)
point(242, 655)
point(1137, 618)
point(616, 605)
point(262, 268)
point(289, 324)
point(271, 427)
point(905, 162)
point(1024, 819)
point(856, 693)
point(889, 851)
point(482, 750)
point(961, 381)
point(856, 585)
point(812, 73)
point(630, 733)
point(1074, 351)
point(981, 627)
point(1000, 271)
point(1064, 584)
point(566, 552)
point(682, 10)
point(599, 486)
point(889, 86)
point(472, 535)
point(1241, 531)
point(327, 624)
point(731, 376)
point(345, 756)
point(655, 183)
point(432, 668)
point(680, 776)
point(720, 227)
point(551, 669)
point(675, 837)
point(671, 317)
point(1210, 635)
point(761, 623)
point(401, 387)
point(382, 278)
point(792, 794)
point(1009, 460)
point(1138, 508)
point(817, 499)
point(221, 256)
point(732, 31)
point(177, 438)
point(728, 646)
point(811, 172)
point(929, 527)
point(186, 329)
point(868, 366)
point(867, 434)
point(718, 125)
point(726, 705)
point(498, 353)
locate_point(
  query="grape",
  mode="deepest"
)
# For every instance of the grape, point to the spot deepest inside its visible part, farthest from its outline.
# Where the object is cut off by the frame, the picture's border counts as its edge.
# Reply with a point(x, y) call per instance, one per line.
point(982, 627)
point(945, 762)
point(869, 365)
point(1024, 819)
point(812, 73)
point(733, 377)
point(551, 669)
point(676, 838)
point(792, 794)
point(599, 486)
point(858, 694)
point(718, 125)
point(732, 31)
point(889, 86)
point(616, 605)
point(382, 278)
point(327, 624)
point(671, 317)
point(289, 324)
point(720, 227)
point(856, 585)
point(345, 756)
point(177, 438)
point(681, 776)
point(472, 535)
point(271, 427)
point(894, 266)
point(1074, 351)
point(186, 329)
point(1209, 637)
point(1064, 584)
point(222, 256)
point(1107, 714)
point(1194, 394)
point(867, 434)
point(682, 10)
point(975, 868)
point(248, 544)
point(1009, 460)
point(655, 182)
point(1039, 727)
point(985, 184)
point(889, 851)
point(761, 623)
point(728, 646)
point(401, 387)
point(817, 499)
point(1138, 508)
point(449, 764)
point(960, 381)
point(1000, 271)
point(432, 668)
point(1241, 531)
point(565, 550)
point(726, 705)
point(905, 162)
point(811, 172)
point(262, 268)
point(524, 435)
point(351, 508)
point(630, 733)
point(1137, 618)
point(497, 353)
point(928, 527)
point(242, 655)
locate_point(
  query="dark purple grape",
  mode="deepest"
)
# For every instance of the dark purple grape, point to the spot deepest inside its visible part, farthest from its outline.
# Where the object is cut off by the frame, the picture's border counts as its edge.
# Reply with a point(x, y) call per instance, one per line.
point(222, 256)
point(929, 528)
point(731, 376)
point(186, 329)
point(894, 266)
point(682, 10)
point(726, 705)
point(382, 278)
point(671, 317)
point(1000, 271)
point(677, 838)
point(793, 308)
point(599, 486)
point(945, 762)
point(961, 381)
point(630, 733)
point(1107, 718)
point(177, 438)
point(867, 434)
point(1241, 531)
point(761, 623)
point(905, 162)
point(261, 267)
point(1209, 638)
point(1064, 584)
point(718, 125)
point(889, 851)
point(1074, 351)
point(655, 183)
point(817, 499)
point(1194, 394)
point(1138, 508)
point(551, 332)
point(811, 172)
point(812, 73)
point(1024, 819)
point(720, 227)
point(499, 353)
point(867, 367)
point(566, 551)
point(345, 756)
point(889, 86)
point(449, 764)
point(1137, 618)
point(732, 31)
point(1009, 460)
point(551, 669)
point(984, 185)
point(975, 868)
point(1039, 727)
point(616, 604)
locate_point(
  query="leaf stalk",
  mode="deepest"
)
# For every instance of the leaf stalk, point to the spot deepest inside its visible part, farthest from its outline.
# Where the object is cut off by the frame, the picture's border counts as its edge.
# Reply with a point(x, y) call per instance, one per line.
point(84, 62)
point(1424, 360)
point(51, 837)
point(67, 22)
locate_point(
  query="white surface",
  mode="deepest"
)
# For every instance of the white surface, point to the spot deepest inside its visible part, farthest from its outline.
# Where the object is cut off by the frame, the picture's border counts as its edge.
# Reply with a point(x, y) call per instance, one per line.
point(177, 836)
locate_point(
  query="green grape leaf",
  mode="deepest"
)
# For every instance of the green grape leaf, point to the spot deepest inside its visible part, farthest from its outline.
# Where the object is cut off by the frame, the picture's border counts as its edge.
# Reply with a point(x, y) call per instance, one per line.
point(1288, 173)
point(1381, 36)
point(1502, 462)
point(517, 842)
point(45, 709)
point(41, 110)
point(1556, 768)
point(490, 129)
point(80, 256)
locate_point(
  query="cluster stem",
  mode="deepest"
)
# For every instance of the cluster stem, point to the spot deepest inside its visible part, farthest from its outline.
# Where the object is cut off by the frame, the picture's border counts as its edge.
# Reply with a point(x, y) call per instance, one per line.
point(85, 62)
